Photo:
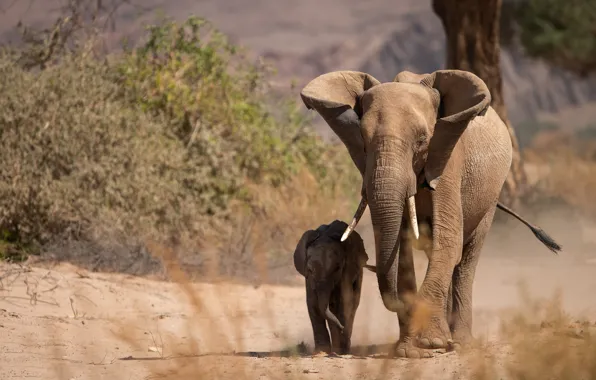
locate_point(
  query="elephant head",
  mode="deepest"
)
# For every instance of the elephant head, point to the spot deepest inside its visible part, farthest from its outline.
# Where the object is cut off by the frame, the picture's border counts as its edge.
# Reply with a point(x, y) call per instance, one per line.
point(327, 264)
point(400, 136)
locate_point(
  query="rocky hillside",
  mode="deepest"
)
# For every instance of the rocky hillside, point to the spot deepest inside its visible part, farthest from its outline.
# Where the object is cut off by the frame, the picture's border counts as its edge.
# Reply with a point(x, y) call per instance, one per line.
point(382, 37)
point(531, 87)
point(417, 43)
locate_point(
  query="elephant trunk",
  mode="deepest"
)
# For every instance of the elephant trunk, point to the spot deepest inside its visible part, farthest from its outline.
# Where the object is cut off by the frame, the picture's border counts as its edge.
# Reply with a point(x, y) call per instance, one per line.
point(331, 318)
point(323, 291)
point(386, 207)
point(390, 187)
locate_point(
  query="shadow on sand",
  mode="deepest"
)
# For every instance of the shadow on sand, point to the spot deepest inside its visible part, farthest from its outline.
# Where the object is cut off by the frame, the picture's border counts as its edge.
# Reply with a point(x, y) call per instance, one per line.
point(300, 350)
point(376, 351)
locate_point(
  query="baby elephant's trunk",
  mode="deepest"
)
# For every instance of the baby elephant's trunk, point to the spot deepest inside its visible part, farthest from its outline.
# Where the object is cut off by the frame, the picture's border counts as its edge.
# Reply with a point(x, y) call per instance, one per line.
point(323, 304)
point(332, 318)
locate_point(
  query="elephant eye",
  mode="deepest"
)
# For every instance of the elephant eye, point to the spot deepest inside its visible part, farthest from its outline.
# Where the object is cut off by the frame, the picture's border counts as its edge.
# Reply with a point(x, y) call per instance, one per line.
point(337, 268)
point(420, 142)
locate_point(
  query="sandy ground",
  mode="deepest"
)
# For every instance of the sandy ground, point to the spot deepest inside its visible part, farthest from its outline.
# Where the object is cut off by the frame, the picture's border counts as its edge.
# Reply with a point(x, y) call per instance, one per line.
point(65, 323)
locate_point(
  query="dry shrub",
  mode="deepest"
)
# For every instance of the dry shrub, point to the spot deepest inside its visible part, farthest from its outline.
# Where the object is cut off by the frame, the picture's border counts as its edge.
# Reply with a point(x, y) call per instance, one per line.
point(279, 216)
point(257, 245)
point(174, 139)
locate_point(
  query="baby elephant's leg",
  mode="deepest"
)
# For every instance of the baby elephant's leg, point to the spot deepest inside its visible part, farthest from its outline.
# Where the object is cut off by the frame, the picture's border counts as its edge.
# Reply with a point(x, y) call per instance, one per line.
point(347, 299)
point(318, 322)
point(335, 305)
point(352, 302)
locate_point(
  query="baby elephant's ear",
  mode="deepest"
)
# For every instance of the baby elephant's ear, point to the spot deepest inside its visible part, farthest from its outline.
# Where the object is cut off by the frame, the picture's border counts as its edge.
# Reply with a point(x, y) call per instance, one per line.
point(355, 249)
point(300, 252)
point(336, 229)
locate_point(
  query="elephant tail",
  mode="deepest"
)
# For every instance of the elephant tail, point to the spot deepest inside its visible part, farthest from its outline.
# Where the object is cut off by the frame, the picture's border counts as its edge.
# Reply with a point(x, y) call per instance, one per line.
point(540, 234)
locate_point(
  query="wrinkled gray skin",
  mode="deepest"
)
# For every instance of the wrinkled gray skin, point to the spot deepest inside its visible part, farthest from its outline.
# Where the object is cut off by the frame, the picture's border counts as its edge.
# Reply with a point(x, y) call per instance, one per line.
point(434, 139)
point(333, 277)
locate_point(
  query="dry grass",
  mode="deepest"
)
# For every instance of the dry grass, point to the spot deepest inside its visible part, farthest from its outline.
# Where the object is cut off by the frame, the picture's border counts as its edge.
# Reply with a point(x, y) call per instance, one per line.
point(568, 166)
point(542, 342)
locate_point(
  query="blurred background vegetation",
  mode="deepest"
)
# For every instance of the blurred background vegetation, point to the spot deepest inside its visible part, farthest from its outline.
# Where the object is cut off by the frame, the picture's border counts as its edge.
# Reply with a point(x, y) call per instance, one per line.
point(560, 32)
point(174, 139)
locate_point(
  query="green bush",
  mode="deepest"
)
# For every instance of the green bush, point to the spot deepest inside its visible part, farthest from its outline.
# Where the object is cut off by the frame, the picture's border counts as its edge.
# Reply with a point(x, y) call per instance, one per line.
point(559, 31)
point(159, 139)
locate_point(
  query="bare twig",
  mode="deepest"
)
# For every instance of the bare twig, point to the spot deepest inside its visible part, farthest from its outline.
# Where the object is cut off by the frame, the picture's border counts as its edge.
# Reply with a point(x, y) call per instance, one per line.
point(160, 347)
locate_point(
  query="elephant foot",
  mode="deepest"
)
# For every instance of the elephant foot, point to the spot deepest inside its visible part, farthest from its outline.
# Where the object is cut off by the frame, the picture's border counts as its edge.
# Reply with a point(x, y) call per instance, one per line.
point(435, 342)
point(321, 349)
point(407, 349)
point(340, 350)
point(429, 327)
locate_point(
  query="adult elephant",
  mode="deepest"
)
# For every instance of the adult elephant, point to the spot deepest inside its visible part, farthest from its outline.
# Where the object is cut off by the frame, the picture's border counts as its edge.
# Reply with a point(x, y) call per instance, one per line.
point(431, 150)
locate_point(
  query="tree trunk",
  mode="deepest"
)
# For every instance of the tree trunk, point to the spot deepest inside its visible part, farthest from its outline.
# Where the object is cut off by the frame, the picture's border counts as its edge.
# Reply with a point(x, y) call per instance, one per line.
point(472, 29)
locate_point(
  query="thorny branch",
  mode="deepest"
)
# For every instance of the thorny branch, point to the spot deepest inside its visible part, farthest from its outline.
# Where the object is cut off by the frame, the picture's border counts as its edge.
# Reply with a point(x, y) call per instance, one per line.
point(79, 22)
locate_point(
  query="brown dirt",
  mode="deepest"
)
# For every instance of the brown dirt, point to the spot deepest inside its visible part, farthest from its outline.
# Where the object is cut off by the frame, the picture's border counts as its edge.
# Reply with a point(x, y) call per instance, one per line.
point(92, 325)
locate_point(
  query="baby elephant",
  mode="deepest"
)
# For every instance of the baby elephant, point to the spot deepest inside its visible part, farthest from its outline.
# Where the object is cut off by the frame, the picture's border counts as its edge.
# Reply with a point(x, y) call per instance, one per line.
point(333, 273)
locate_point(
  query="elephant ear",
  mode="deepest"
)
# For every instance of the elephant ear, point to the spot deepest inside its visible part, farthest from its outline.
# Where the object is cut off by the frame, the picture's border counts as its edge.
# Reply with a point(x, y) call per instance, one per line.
point(300, 252)
point(335, 229)
point(462, 96)
point(353, 246)
point(356, 254)
point(356, 244)
point(336, 97)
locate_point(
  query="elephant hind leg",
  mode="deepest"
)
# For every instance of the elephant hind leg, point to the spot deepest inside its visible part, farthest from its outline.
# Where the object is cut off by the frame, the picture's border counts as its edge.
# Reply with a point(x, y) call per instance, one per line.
point(460, 318)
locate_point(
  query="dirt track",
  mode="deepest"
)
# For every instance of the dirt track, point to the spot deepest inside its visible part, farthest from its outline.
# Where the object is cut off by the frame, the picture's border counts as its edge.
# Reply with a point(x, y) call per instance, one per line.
point(91, 325)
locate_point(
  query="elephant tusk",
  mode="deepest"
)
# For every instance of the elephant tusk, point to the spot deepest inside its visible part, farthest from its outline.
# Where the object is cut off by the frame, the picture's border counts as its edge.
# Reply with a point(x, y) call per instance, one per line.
point(357, 216)
point(413, 217)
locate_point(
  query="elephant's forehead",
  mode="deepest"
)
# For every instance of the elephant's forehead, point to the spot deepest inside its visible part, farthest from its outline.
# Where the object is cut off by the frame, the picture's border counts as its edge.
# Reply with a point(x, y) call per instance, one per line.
point(392, 102)
point(324, 249)
point(396, 92)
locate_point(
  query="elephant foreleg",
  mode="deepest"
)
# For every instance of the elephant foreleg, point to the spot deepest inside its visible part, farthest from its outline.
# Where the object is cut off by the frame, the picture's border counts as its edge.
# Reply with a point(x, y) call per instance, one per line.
point(354, 291)
point(345, 307)
point(406, 282)
point(463, 279)
point(430, 308)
